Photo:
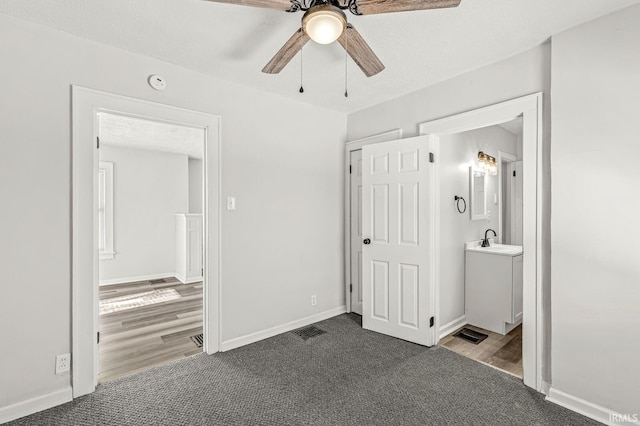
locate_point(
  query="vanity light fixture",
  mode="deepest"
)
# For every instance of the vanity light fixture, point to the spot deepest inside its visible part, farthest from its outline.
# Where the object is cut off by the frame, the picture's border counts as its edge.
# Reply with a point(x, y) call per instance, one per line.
point(487, 163)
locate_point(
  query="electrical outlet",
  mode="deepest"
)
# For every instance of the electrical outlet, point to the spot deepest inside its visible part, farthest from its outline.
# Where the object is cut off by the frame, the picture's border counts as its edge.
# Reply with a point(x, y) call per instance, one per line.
point(313, 300)
point(63, 363)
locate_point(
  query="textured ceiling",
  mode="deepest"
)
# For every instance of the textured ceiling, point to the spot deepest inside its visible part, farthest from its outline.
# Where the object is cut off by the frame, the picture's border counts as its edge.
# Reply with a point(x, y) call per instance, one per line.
point(129, 132)
point(234, 42)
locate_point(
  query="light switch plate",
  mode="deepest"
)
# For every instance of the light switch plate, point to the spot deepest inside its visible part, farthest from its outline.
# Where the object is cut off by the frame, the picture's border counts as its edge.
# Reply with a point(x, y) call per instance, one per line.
point(231, 203)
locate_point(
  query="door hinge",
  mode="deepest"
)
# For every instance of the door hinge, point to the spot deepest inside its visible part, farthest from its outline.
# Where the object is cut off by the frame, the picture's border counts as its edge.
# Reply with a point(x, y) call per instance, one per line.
point(432, 322)
point(98, 337)
point(350, 288)
point(432, 157)
point(98, 142)
point(349, 168)
point(514, 173)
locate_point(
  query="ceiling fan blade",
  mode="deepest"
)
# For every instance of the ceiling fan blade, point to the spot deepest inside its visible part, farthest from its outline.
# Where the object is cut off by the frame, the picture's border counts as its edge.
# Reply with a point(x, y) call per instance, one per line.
point(372, 7)
point(360, 51)
point(283, 5)
point(287, 52)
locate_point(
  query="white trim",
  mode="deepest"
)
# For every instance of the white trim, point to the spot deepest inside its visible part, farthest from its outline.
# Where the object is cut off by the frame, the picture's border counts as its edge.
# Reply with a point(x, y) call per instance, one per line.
point(107, 253)
point(34, 405)
point(546, 386)
point(274, 331)
point(86, 104)
point(356, 145)
point(434, 223)
point(508, 158)
point(188, 281)
point(452, 326)
point(135, 279)
point(390, 135)
point(530, 108)
point(586, 408)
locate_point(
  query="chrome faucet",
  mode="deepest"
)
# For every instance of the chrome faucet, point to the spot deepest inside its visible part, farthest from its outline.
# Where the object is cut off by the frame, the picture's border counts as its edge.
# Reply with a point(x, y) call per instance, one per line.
point(485, 242)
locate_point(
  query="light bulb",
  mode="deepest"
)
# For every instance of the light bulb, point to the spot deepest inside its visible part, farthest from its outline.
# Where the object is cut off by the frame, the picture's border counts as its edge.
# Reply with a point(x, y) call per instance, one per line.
point(324, 24)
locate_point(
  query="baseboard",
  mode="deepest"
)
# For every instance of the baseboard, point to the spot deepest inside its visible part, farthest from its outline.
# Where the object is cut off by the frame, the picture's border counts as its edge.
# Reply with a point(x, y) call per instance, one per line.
point(33, 405)
point(189, 280)
point(274, 331)
point(134, 279)
point(452, 326)
point(545, 387)
point(591, 410)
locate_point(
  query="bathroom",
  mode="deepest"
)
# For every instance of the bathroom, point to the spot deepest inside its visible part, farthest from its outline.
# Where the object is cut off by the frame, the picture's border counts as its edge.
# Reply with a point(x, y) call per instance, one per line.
point(480, 290)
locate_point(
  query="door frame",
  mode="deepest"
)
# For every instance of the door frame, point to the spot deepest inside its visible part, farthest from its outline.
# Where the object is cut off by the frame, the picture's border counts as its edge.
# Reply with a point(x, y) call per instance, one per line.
point(530, 108)
point(503, 157)
point(356, 145)
point(86, 104)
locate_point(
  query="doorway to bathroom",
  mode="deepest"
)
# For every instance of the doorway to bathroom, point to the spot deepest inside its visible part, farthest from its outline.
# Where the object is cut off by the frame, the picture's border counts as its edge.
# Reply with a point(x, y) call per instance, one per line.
point(480, 197)
point(488, 286)
point(534, 325)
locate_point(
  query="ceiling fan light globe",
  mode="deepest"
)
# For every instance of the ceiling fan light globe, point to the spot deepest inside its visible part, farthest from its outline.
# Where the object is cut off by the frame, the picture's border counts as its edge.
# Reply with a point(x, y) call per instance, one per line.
point(324, 25)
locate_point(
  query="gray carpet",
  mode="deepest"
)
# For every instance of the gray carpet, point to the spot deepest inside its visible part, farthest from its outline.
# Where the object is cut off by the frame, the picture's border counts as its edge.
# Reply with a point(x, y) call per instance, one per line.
point(348, 376)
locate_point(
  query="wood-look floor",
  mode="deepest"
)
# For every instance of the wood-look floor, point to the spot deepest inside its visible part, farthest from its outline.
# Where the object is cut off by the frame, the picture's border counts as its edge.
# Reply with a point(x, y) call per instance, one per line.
point(502, 352)
point(139, 338)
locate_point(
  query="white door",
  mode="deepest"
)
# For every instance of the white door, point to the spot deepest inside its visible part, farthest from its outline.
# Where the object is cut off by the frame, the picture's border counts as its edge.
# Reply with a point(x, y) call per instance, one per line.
point(397, 239)
point(356, 231)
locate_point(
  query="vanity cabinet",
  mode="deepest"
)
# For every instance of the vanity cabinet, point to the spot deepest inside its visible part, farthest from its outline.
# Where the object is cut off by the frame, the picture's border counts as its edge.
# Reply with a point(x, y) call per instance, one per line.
point(493, 289)
point(189, 247)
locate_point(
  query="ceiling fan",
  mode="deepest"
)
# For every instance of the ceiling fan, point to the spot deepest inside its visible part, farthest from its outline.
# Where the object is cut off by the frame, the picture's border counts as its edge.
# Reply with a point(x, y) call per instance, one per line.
point(325, 22)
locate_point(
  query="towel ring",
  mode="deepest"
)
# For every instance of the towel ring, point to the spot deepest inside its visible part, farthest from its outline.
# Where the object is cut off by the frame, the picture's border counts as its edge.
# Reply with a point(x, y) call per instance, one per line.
point(457, 199)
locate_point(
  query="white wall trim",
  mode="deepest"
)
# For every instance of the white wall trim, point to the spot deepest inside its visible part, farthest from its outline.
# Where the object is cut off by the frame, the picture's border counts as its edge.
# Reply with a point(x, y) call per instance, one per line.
point(139, 278)
point(184, 280)
point(546, 386)
point(274, 331)
point(86, 104)
point(107, 252)
point(506, 157)
point(530, 108)
point(355, 145)
point(452, 326)
point(34, 405)
point(589, 409)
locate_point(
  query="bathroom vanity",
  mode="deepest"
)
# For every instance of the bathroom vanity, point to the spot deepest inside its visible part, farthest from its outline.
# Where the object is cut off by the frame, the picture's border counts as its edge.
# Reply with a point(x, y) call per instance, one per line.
point(493, 286)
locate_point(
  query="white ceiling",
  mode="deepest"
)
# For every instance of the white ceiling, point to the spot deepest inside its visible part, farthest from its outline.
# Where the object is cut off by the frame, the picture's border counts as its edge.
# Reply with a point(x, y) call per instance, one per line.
point(234, 42)
point(130, 132)
point(513, 126)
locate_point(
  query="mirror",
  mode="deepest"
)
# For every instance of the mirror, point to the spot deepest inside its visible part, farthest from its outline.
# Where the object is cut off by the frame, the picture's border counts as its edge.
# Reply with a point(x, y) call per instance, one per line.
point(477, 194)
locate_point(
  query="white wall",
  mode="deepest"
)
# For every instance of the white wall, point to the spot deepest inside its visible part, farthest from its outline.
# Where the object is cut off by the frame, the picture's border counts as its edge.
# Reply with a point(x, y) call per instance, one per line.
point(195, 185)
point(149, 187)
point(286, 174)
point(520, 75)
point(595, 164)
point(455, 154)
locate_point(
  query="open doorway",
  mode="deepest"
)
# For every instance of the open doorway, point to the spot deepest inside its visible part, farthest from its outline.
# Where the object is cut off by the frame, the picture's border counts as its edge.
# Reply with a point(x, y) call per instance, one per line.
point(480, 266)
point(150, 242)
point(87, 104)
point(534, 324)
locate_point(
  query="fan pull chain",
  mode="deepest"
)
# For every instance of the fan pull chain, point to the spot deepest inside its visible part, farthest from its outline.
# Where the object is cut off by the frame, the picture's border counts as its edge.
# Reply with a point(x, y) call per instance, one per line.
point(346, 63)
point(301, 88)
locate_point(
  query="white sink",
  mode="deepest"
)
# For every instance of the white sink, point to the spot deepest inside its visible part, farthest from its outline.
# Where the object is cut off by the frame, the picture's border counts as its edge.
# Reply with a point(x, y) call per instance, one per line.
point(502, 249)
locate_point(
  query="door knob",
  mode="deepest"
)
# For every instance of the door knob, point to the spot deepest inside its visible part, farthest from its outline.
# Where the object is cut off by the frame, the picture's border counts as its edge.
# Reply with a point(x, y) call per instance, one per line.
point(367, 241)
